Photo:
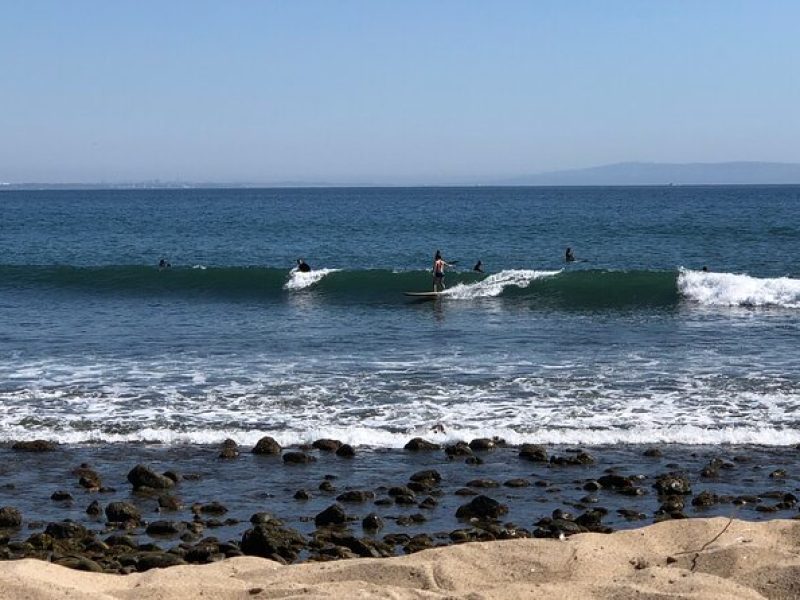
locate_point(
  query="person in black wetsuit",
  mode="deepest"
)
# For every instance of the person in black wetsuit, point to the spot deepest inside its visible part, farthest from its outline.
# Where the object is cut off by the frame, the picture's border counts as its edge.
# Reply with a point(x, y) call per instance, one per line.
point(302, 266)
point(570, 256)
point(478, 267)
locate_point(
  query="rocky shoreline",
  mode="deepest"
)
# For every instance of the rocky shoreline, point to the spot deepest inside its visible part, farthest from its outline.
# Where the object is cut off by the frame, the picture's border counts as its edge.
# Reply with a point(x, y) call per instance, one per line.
point(425, 496)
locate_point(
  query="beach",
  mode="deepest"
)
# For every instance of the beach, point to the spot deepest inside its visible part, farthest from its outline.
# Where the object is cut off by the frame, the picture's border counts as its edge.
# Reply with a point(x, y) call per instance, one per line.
point(697, 558)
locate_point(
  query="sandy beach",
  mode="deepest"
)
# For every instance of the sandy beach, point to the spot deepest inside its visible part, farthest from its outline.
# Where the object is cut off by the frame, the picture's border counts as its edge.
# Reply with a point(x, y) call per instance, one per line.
point(691, 558)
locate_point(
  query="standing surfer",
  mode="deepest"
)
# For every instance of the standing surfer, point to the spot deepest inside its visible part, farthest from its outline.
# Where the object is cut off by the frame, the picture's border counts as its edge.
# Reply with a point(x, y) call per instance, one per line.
point(302, 266)
point(570, 256)
point(438, 271)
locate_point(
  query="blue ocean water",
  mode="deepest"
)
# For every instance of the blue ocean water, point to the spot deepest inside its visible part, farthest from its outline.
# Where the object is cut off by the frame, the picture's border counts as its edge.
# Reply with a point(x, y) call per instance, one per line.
point(634, 343)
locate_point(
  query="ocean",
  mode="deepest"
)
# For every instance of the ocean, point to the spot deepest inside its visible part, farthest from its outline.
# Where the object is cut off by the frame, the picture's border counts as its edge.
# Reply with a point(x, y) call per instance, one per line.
point(632, 346)
point(634, 343)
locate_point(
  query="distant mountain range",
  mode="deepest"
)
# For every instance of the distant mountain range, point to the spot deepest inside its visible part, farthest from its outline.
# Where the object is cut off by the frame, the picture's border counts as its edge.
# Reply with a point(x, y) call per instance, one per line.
point(641, 173)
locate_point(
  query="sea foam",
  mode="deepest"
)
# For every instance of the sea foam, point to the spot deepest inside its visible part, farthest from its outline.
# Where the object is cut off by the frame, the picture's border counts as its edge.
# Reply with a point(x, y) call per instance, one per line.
point(301, 281)
point(731, 289)
point(494, 285)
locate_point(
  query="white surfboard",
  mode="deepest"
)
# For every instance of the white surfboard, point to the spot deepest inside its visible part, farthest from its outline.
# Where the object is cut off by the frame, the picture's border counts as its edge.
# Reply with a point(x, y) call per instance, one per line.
point(423, 294)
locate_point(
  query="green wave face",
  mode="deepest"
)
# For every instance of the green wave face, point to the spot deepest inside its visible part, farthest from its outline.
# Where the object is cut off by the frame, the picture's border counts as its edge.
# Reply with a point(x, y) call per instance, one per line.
point(586, 289)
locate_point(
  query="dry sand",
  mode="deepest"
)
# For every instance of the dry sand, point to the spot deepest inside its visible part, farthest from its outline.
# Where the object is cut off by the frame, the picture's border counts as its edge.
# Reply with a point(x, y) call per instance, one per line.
point(693, 558)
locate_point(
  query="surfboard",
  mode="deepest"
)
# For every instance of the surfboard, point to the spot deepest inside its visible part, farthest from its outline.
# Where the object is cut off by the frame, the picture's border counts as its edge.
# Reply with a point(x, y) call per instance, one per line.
point(423, 294)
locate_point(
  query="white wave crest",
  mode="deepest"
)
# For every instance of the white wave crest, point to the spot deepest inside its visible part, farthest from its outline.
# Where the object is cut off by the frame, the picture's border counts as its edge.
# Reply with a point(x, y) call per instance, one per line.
point(730, 289)
point(301, 281)
point(495, 284)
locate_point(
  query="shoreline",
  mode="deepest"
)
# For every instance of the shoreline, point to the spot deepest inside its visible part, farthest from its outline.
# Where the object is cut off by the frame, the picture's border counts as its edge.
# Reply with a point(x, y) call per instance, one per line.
point(695, 558)
point(133, 508)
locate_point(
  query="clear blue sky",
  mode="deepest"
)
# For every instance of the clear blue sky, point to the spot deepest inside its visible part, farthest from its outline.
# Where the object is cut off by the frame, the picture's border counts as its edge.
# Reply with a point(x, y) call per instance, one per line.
point(389, 92)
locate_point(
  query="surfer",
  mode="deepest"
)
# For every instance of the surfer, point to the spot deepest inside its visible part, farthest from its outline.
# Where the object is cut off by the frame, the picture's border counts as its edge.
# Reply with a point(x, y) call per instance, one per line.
point(478, 267)
point(302, 266)
point(570, 256)
point(163, 264)
point(438, 271)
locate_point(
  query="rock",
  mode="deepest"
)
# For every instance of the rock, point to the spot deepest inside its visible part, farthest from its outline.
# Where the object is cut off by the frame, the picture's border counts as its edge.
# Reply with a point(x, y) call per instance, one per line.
point(144, 477)
point(418, 542)
point(298, 458)
point(34, 446)
point(533, 452)
point(457, 449)
point(230, 449)
point(473, 460)
point(165, 528)
point(121, 540)
point(428, 476)
point(428, 503)
point(652, 453)
point(211, 508)
point(157, 560)
point(90, 480)
point(482, 445)
point(204, 552)
point(631, 515)
point(175, 477)
point(417, 444)
point(302, 495)
point(400, 490)
point(483, 483)
point(94, 509)
point(66, 530)
point(262, 518)
point(79, 563)
point(704, 498)
point(672, 504)
point(673, 483)
point(778, 474)
point(122, 512)
point(345, 451)
point(269, 541)
point(10, 518)
point(355, 496)
point(580, 458)
point(613, 482)
point(326, 486)
point(517, 483)
point(591, 518)
point(267, 445)
point(167, 502)
point(333, 515)
point(465, 492)
point(327, 445)
point(481, 507)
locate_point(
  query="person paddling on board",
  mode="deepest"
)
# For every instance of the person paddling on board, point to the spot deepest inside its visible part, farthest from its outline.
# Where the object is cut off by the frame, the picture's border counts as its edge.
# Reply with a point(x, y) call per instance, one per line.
point(302, 266)
point(570, 256)
point(438, 271)
point(478, 267)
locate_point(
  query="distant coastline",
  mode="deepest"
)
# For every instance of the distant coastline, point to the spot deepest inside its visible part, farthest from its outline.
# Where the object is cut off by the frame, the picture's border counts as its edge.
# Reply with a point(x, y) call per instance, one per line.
point(627, 174)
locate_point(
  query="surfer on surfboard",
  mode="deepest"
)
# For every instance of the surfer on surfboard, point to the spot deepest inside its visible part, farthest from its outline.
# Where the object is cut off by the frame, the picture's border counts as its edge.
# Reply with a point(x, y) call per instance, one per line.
point(302, 266)
point(439, 265)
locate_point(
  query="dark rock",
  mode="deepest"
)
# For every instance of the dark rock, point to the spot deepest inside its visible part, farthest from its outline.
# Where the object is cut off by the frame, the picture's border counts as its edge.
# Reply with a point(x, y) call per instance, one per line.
point(267, 445)
point(418, 543)
point(428, 476)
point(533, 452)
point(631, 515)
point(333, 515)
point(517, 483)
point(262, 518)
point(10, 517)
point(167, 502)
point(581, 458)
point(613, 482)
point(483, 483)
point(372, 522)
point(90, 480)
point(66, 530)
point(482, 445)
point(165, 528)
point(120, 540)
point(590, 518)
point(673, 483)
point(230, 449)
point(465, 492)
point(302, 495)
point(326, 486)
point(481, 507)
point(652, 453)
point(672, 504)
point(61, 496)
point(144, 477)
point(327, 445)
point(428, 503)
point(204, 552)
point(345, 451)
point(298, 458)
point(778, 474)
point(355, 496)
point(417, 444)
point(473, 460)
point(79, 563)
point(34, 446)
point(704, 498)
point(175, 477)
point(458, 449)
point(268, 541)
point(157, 560)
point(405, 499)
point(383, 502)
point(94, 509)
point(400, 490)
point(122, 512)
point(211, 508)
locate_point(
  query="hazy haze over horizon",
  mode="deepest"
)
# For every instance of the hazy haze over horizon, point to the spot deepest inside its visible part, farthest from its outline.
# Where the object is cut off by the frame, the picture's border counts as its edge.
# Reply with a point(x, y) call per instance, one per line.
point(400, 93)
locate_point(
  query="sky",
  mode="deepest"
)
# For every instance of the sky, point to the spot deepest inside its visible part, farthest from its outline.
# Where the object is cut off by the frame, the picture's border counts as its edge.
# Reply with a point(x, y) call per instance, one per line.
point(379, 92)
